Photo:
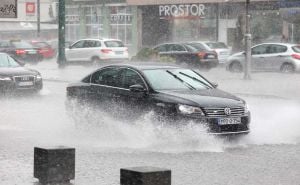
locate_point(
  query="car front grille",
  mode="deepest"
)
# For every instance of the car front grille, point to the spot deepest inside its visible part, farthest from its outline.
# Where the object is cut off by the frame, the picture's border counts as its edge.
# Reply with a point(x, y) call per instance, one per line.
point(220, 112)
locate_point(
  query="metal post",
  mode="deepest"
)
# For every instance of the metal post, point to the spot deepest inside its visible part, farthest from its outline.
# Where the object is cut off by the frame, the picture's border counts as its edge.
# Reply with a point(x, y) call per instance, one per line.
point(247, 68)
point(61, 59)
point(38, 18)
point(217, 22)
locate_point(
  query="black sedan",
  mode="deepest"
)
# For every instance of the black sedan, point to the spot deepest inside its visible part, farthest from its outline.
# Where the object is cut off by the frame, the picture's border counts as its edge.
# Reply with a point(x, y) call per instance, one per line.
point(16, 78)
point(170, 91)
point(21, 50)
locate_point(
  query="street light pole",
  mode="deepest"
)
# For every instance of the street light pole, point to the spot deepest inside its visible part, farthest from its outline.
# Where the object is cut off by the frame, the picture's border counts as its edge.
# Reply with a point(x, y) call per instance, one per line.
point(61, 59)
point(38, 18)
point(247, 37)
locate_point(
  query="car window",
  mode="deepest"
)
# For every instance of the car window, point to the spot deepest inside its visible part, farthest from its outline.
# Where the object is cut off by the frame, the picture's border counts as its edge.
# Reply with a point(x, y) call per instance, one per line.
point(107, 76)
point(276, 49)
point(130, 77)
point(113, 44)
point(161, 48)
point(97, 44)
point(197, 46)
point(4, 44)
point(176, 47)
point(183, 77)
point(21, 44)
point(78, 44)
point(261, 49)
point(89, 44)
point(296, 49)
point(7, 61)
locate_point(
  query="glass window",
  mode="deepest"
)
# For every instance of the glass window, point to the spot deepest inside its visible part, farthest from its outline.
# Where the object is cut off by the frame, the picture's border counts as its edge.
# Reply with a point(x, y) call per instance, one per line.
point(296, 49)
point(176, 47)
point(4, 45)
point(197, 46)
point(261, 49)
point(79, 44)
point(21, 44)
point(107, 76)
point(276, 49)
point(185, 79)
point(89, 44)
point(161, 48)
point(129, 78)
point(216, 45)
point(7, 61)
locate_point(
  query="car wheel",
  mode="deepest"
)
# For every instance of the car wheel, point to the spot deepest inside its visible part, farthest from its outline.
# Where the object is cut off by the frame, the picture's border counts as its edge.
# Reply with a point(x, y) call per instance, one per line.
point(287, 68)
point(95, 61)
point(236, 67)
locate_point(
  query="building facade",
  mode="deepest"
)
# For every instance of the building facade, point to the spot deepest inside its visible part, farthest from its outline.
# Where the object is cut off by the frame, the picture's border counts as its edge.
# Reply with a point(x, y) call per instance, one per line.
point(149, 22)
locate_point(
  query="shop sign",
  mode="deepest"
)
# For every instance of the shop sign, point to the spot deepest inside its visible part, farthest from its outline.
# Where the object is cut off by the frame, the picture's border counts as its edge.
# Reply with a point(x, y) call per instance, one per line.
point(291, 15)
point(8, 9)
point(30, 8)
point(183, 10)
point(120, 18)
point(289, 3)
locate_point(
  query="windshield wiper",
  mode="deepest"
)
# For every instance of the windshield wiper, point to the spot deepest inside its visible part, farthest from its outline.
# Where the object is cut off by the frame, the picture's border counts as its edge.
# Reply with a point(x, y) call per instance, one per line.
point(191, 77)
point(175, 76)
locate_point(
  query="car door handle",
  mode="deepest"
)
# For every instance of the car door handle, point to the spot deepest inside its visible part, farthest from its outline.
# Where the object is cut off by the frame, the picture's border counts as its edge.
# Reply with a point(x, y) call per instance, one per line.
point(116, 96)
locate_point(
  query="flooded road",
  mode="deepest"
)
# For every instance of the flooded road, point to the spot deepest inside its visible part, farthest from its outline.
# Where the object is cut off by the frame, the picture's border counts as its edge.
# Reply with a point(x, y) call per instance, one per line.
point(268, 155)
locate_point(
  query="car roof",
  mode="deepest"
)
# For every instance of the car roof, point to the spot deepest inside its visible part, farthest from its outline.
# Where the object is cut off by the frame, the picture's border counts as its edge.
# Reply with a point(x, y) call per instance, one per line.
point(145, 65)
point(101, 39)
point(278, 43)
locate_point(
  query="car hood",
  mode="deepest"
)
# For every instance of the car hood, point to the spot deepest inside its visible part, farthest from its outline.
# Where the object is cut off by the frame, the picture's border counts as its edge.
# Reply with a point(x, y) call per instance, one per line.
point(15, 71)
point(205, 98)
point(239, 54)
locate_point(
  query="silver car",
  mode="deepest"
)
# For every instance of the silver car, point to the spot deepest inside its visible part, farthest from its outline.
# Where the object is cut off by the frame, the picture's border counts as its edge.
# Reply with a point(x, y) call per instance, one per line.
point(268, 57)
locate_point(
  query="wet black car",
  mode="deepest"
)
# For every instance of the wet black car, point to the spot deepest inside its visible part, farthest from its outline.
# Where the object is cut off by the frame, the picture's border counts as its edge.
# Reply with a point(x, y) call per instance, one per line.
point(170, 91)
point(21, 50)
point(16, 78)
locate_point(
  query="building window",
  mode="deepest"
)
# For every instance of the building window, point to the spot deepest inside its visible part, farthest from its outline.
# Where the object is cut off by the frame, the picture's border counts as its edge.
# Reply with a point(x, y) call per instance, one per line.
point(121, 23)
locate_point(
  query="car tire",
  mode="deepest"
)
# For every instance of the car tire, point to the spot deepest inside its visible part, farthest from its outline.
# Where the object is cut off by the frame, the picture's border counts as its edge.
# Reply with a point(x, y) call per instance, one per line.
point(287, 68)
point(236, 67)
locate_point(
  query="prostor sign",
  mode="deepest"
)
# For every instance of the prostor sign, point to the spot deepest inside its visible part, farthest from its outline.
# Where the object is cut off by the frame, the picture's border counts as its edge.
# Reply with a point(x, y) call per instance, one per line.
point(182, 10)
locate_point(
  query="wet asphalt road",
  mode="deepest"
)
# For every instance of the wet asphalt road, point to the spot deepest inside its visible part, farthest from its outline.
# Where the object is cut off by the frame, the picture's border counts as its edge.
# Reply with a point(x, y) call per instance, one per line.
point(269, 155)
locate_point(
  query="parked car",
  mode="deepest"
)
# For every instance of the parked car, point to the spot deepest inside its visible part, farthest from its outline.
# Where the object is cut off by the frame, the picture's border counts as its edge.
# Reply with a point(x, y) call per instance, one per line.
point(186, 53)
point(45, 49)
point(268, 57)
point(14, 77)
point(222, 50)
point(183, 95)
point(96, 50)
point(21, 50)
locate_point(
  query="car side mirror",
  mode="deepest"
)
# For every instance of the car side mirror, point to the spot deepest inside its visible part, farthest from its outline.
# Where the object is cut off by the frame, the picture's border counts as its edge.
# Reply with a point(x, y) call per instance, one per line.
point(137, 88)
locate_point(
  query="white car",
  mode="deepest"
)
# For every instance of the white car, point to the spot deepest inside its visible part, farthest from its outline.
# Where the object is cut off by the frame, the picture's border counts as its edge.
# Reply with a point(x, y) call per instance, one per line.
point(222, 50)
point(96, 50)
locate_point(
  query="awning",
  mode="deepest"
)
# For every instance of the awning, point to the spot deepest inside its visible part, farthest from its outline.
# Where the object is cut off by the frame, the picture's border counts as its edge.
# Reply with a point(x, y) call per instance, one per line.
point(26, 26)
point(161, 2)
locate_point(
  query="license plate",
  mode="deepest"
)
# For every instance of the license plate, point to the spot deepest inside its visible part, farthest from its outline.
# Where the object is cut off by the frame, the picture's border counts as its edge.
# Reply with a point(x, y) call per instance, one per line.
point(31, 52)
point(229, 121)
point(210, 56)
point(25, 83)
point(119, 52)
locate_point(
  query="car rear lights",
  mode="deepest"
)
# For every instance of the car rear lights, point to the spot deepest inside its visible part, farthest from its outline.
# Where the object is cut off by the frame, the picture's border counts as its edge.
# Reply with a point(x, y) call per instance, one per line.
point(20, 52)
point(201, 55)
point(106, 50)
point(296, 56)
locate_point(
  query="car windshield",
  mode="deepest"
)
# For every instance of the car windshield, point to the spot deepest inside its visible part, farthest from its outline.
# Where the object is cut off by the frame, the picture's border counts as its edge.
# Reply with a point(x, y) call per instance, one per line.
point(176, 79)
point(216, 45)
point(113, 44)
point(7, 61)
point(296, 49)
point(21, 44)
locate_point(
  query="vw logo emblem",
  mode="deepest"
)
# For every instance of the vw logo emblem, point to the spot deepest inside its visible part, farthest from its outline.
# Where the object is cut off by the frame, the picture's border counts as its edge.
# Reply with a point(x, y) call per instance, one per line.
point(25, 78)
point(227, 111)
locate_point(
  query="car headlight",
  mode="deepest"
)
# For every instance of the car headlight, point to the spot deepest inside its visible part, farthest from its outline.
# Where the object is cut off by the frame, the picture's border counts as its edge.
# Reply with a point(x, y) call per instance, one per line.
point(38, 77)
point(187, 109)
point(5, 78)
point(246, 108)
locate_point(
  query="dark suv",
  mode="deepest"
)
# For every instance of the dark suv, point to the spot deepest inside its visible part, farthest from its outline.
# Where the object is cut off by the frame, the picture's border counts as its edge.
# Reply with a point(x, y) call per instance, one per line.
point(187, 53)
point(21, 50)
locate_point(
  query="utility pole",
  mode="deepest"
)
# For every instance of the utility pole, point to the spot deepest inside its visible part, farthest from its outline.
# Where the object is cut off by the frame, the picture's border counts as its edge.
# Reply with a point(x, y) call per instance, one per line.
point(247, 68)
point(38, 19)
point(61, 59)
